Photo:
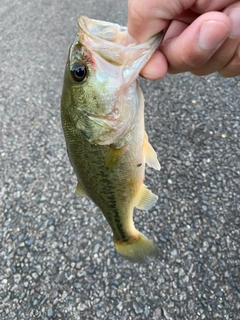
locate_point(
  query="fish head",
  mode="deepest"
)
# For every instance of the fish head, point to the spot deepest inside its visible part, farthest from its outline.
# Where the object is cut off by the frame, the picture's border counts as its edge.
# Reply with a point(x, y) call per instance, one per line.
point(100, 77)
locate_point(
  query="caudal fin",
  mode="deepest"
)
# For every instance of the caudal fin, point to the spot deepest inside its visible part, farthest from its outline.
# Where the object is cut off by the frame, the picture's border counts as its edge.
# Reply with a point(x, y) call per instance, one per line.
point(141, 250)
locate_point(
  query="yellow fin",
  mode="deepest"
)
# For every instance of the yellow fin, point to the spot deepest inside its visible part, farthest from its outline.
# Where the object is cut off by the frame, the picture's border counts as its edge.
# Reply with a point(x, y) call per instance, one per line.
point(80, 192)
point(150, 154)
point(141, 250)
point(113, 156)
point(146, 199)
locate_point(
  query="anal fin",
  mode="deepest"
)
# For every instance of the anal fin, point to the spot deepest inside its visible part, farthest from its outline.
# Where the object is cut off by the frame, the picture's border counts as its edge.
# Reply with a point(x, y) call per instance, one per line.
point(146, 199)
point(150, 154)
point(80, 192)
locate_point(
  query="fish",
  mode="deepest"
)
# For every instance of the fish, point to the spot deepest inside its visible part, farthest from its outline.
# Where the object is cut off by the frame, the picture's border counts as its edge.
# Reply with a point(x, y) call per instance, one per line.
point(102, 115)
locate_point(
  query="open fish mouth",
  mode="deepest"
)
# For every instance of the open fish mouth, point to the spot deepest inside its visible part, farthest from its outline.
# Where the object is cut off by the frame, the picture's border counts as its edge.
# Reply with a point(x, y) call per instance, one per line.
point(101, 29)
point(108, 40)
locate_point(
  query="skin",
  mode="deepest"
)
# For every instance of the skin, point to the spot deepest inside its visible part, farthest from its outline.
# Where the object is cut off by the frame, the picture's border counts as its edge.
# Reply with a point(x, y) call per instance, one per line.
point(201, 36)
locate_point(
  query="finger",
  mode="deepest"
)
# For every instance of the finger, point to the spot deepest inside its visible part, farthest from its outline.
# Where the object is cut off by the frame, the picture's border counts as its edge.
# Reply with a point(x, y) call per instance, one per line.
point(197, 43)
point(232, 68)
point(146, 18)
point(226, 58)
point(157, 66)
point(202, 6)
point(220, 59)
point(185, 56)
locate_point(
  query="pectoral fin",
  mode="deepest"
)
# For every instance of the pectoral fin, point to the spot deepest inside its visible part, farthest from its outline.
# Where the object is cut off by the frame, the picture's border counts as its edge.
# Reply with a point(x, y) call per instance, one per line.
point(146, 199)
point(80, 192)
point(150, 154)
point(113, 156)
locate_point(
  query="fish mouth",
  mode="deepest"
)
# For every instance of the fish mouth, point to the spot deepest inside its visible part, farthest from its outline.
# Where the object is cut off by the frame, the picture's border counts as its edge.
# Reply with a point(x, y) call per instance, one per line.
point(108, 40)
point(107, 31)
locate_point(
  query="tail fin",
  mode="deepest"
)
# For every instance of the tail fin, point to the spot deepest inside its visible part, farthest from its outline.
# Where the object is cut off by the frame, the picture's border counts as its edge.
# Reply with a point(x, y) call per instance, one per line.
point(141, 250)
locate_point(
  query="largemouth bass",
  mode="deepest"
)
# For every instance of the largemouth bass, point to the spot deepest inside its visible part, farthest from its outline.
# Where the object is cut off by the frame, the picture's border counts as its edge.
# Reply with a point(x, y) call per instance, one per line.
point(102, 113)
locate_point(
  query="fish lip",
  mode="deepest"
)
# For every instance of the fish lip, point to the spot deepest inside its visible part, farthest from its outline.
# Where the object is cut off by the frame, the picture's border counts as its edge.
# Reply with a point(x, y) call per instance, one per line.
point(108, 40)
point(84, 22)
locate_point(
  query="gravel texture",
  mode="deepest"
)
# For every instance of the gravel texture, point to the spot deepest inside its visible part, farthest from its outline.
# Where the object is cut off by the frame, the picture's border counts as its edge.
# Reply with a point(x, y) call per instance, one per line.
point(56, 254)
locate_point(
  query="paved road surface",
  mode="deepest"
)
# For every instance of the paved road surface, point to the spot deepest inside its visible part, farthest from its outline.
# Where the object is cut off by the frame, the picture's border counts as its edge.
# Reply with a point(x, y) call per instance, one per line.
point(56, 257)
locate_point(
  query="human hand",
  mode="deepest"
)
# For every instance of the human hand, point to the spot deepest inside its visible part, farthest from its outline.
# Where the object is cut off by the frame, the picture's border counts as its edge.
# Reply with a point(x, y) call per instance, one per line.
point(201, 36)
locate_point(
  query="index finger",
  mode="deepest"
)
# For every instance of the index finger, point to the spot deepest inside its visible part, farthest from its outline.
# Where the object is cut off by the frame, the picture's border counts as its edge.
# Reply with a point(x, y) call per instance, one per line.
point(147, 18)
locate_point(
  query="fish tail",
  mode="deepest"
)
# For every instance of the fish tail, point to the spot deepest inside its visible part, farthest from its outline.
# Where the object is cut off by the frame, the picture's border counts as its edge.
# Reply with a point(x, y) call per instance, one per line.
point(140, 250)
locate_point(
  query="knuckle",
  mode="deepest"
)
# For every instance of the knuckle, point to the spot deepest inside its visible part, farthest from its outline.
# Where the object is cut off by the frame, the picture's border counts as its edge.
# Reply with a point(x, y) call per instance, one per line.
point(142, 9)
point(232, 68)
point(187, 60)
point(200, 72)
point(202, 6)
point(132, 7)
point(192, 59)
point(135, 11)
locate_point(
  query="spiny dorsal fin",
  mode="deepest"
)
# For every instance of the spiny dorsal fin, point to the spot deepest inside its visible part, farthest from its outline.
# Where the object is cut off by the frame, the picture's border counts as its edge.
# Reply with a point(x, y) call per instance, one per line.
point(80, 192)
point(146, 199)
point(150, 154)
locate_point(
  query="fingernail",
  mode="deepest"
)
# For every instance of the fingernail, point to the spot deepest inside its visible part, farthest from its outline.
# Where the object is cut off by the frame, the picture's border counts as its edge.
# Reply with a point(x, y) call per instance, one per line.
point(234, 16)
point(212, 35)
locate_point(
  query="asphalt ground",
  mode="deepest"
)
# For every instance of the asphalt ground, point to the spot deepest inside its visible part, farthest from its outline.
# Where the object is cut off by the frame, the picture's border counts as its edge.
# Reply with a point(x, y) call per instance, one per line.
point(57, 259)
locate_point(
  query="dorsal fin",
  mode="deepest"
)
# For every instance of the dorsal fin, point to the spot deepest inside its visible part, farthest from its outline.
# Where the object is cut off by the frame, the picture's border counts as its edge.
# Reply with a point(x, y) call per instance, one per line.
point(80, 192)
point(146, 198)
point(150, 154)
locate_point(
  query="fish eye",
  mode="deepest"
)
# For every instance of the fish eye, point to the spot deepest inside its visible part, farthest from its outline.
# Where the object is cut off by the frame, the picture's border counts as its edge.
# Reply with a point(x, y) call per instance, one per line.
point(78, 72)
